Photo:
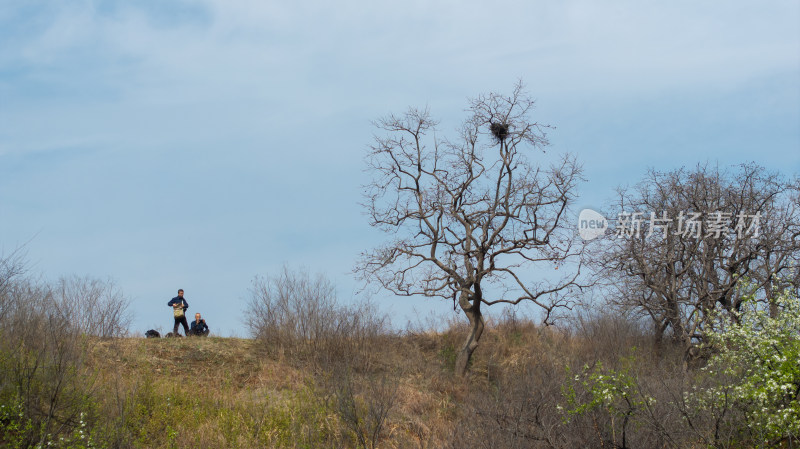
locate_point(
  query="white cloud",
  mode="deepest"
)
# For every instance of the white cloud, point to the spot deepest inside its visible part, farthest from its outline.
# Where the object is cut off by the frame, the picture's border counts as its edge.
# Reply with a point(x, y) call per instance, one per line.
point(273, 51)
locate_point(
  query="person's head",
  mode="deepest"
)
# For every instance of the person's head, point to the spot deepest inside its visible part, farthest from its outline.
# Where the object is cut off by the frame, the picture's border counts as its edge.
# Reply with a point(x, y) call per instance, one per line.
point(197, 317)
point(180, 292)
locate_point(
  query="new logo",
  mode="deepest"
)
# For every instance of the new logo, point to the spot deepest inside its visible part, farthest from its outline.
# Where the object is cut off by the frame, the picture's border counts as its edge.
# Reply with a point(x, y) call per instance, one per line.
point(591, 224)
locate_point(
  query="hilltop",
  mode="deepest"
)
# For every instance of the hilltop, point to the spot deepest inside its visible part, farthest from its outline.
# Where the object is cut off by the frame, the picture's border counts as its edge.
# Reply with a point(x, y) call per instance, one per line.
point(233, 392)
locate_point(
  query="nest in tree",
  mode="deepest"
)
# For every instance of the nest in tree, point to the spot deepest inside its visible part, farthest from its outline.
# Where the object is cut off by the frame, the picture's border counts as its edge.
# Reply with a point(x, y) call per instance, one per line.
point(499, 131)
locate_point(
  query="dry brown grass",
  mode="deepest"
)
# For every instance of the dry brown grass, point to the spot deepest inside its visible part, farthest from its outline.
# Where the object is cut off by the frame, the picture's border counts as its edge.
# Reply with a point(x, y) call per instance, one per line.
point(229, 392)
point(237, 374)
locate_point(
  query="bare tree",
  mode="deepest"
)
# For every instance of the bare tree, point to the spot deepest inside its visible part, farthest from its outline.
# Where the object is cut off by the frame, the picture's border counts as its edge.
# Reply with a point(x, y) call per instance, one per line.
point(96, 307)
point(470, 217)
point(299, 315)
point(12, 267)
point(697, 233)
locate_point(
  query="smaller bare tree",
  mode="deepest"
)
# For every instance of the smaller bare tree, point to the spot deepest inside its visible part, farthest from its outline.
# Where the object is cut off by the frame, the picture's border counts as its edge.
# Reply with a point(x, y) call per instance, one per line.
point(698, 232)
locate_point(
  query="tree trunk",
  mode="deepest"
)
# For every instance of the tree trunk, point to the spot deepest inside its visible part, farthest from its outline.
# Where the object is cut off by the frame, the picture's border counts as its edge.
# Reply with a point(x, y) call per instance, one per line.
point(774, 311)
point(680, 336)
point(476, 325)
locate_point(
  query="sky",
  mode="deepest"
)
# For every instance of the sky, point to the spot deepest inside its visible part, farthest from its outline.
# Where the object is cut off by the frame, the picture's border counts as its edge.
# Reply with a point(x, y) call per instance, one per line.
point(199, 144)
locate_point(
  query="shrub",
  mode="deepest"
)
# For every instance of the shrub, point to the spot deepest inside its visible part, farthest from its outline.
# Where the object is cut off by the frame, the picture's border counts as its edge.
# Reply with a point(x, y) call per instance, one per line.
point(46, 337)
point(759, 356)
point(296, 315)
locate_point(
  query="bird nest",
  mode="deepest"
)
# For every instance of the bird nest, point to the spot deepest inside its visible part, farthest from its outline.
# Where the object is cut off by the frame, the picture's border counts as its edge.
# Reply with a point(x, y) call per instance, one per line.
point(499, 131)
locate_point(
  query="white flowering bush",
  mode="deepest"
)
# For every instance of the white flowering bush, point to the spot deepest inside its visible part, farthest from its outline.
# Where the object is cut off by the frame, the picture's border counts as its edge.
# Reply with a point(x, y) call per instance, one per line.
point(13, 424)
point(611, 393)
point(746, 395)
point(606, 389)
point(763, 354)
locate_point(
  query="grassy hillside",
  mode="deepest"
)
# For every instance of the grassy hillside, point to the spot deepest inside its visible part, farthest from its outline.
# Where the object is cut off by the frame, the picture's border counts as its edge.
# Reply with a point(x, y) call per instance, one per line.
point(601, 383)
point(229, 392)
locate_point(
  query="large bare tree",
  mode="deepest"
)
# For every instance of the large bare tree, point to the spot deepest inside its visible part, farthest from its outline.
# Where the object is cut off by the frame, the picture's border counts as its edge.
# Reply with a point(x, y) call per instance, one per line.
point(471, 217)
point(685, 238)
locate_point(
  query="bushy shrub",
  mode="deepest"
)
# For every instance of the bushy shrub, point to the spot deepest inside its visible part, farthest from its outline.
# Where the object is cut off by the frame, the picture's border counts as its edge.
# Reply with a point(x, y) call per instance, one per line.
point(299, 316)
point(47, 331)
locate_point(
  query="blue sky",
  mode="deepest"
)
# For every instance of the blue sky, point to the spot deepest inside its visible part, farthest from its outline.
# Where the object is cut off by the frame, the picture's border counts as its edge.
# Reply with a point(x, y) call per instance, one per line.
point(196, 144)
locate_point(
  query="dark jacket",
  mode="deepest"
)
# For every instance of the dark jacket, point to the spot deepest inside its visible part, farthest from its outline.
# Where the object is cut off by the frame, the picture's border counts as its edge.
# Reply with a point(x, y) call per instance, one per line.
point(200, 327)
point(178, 300)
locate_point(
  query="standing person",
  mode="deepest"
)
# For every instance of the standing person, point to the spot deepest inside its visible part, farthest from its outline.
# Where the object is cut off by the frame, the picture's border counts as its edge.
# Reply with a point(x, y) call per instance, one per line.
point(199, 326)
point(179, 306)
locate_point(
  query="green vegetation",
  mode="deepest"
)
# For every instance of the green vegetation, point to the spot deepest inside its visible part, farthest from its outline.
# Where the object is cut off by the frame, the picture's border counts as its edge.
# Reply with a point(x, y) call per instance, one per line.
point(541, 386)
point(322, 374)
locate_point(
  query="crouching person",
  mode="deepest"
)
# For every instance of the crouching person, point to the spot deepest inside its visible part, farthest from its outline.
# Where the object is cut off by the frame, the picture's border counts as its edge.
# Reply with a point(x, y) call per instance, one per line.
point(199, 327)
